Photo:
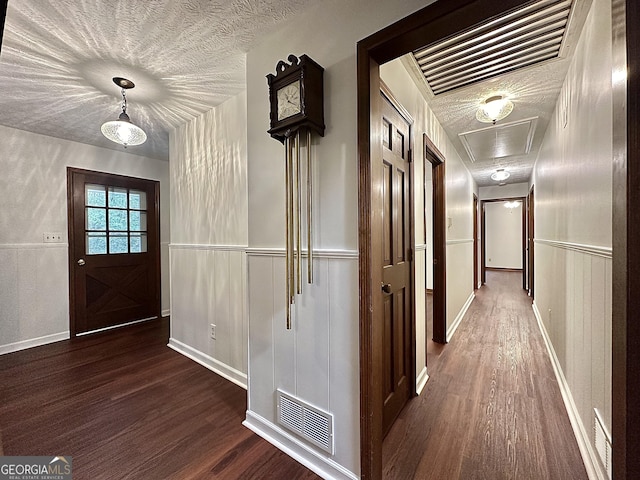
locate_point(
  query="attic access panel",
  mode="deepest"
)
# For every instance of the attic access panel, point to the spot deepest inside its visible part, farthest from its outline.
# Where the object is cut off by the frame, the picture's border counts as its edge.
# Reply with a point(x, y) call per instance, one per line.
point(499, 141)
point(526, 37)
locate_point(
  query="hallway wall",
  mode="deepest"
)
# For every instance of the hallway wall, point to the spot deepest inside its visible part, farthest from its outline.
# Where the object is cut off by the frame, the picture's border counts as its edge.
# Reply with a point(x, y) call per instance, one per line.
point(318, 359)
point(208, 170)
point(34, 278)
point(459, 207)
point(573, 195)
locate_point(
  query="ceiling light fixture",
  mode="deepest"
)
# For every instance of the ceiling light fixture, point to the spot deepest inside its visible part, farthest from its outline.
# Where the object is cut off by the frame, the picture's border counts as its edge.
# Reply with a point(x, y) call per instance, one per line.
point(494, 108)
point(514, 204)
point(122, 131)
point(500, 175)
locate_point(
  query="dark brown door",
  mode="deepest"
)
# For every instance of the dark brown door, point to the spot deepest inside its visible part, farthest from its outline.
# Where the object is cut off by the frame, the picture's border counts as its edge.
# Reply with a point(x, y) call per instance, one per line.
point(475, 242)
point(396, 269)
point(435, 158)
point(530, 208)
point(114, 250)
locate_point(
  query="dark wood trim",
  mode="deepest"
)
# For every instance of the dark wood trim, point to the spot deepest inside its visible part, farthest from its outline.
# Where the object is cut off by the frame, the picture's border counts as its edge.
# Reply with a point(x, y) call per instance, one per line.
point(525, 242)
point(436, 159)
point(368, 71)
point(70, 237)
point(626, 231)
point(503, 269)
point(436, 21)
point(483, 270)
point(3, 15)
point(475, 241)
point(531, 204)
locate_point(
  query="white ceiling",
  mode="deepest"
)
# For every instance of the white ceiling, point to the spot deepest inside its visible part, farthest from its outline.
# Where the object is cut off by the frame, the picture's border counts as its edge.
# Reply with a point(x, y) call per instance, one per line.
point(59, 56)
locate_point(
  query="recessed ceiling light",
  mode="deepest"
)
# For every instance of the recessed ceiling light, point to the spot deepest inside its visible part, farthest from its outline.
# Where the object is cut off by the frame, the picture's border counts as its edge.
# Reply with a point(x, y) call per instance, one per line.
point(500, 175)
point(494, 108)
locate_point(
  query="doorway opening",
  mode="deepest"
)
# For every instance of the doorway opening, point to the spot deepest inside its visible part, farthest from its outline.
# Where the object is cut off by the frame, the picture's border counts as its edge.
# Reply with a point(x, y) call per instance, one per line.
point(434, 22)
point(503, 241)
point(114, 250)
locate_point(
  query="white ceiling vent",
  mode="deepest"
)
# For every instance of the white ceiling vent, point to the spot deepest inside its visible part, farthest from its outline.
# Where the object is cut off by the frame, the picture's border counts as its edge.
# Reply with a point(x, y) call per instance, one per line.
point(306, 420)
point(525, 37)
point(499, 141)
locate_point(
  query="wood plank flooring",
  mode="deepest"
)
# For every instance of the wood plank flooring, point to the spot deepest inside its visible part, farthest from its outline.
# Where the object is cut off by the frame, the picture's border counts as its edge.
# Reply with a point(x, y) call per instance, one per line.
point(492, 408)
point(125, 406)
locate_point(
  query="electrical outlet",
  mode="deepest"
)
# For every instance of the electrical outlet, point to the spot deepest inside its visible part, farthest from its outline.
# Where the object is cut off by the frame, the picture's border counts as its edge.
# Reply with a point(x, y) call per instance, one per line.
point(212, 333)
point(52, 237)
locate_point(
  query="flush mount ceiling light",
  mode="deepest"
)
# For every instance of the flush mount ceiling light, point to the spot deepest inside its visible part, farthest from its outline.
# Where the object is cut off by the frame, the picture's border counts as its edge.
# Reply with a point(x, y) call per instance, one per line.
point(500, 175)
point(122, 131)
point(513, 204)
point(494, 108)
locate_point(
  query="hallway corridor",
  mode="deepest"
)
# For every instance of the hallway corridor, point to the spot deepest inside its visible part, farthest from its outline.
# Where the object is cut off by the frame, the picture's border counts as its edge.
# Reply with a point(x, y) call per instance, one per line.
point(492, 408)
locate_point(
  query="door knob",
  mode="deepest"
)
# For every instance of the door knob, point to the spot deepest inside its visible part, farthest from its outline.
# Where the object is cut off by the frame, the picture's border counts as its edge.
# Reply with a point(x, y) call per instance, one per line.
point(386, 287)
point(81, 262)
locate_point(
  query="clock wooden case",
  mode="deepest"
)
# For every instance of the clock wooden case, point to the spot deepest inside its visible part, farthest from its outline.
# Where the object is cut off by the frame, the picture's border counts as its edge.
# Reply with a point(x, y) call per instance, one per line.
point(296, 97)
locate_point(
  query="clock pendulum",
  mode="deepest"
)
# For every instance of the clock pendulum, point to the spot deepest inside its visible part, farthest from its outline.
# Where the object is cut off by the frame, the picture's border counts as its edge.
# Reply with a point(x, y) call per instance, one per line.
point(297, 109)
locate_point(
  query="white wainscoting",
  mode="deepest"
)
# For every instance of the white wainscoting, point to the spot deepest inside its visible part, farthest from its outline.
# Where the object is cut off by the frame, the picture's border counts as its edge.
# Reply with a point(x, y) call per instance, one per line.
point(459, 282)
point(208, 286)
point(34, 295)
point(573, 307)
point(420, 282)
point(317, 360)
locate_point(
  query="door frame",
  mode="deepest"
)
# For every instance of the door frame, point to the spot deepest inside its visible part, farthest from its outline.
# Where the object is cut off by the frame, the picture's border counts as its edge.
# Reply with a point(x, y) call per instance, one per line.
point(531, 242)
point(483, 239)
point(435, 158)
point(476, 207)
point(626, 231)
point(433, 22)
point(71, 171)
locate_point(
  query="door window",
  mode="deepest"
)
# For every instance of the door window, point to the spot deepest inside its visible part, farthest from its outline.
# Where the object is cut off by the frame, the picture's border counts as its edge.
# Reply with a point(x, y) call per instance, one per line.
point(115, 220)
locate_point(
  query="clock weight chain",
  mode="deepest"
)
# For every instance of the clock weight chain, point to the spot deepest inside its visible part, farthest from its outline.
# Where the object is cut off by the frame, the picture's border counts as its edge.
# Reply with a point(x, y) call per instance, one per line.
point(293, 217)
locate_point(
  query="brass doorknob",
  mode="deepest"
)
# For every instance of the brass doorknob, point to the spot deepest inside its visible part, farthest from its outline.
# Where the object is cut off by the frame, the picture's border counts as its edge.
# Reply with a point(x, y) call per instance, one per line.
point(81, 262)
point(386, 287)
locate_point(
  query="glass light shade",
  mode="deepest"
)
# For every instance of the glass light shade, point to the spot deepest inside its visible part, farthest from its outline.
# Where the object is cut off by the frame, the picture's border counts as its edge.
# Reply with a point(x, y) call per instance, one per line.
point(500, 175)
point(494, 109)
point(124, 132)
point(513, 204)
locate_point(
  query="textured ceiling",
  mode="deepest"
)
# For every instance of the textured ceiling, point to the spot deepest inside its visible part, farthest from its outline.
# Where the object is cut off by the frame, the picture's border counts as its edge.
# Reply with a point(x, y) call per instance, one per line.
point(533, 90)
point(185, 57)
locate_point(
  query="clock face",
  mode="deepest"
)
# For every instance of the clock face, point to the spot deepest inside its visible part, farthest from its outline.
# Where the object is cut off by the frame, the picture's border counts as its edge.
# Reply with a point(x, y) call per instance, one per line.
point(289, 100)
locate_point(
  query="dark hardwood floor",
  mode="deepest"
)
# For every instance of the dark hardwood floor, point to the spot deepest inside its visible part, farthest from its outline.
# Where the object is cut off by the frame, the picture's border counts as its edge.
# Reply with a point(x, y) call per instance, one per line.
point(492, 408)
point(125, 406)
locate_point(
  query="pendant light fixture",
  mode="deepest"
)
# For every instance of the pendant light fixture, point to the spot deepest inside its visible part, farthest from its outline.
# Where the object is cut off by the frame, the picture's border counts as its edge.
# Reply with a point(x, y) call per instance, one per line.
point(122, 131)
point(494, 108)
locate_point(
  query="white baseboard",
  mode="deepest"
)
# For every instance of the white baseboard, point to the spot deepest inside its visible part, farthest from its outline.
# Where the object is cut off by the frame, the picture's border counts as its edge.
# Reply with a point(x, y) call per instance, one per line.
point(319, 463)
point(166, 313)
point(216, 366)
point(421, 381)
point(33, 342)
point(587, 451)
point(456, 322)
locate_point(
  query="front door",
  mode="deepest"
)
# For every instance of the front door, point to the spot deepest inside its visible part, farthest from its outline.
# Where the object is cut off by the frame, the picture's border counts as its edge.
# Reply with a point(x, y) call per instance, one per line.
point(397, 262)
point(114, 246)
